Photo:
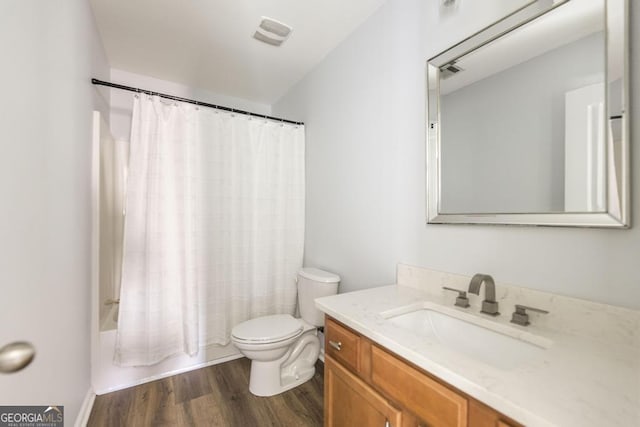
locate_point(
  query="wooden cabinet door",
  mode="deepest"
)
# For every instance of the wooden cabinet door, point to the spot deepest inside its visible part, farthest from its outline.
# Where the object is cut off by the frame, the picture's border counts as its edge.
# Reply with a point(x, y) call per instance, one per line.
point(348, 401)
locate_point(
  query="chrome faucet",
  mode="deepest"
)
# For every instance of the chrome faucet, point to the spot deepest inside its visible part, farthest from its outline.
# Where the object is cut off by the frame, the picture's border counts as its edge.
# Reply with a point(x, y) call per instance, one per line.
point(489, 305)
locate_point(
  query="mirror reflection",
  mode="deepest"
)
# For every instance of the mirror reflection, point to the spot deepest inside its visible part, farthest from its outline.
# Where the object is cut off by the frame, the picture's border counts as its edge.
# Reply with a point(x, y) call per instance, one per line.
point(526, 121)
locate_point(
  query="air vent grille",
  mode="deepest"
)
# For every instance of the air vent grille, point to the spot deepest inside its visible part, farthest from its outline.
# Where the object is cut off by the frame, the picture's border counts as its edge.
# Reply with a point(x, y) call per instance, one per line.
point(272, 32)
point(449, 70)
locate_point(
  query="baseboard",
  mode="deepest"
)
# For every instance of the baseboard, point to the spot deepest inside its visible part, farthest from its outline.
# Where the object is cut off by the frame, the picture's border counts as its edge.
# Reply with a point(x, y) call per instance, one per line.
point(321, 356)
point(85, 409)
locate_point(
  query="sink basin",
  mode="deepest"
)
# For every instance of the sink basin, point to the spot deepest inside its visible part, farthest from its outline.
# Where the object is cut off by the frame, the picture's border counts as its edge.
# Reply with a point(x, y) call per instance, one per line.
point(495, 344)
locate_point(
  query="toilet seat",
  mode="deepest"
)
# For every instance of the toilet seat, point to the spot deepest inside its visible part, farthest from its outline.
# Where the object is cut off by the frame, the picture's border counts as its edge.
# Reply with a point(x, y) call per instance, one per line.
point(267, 329)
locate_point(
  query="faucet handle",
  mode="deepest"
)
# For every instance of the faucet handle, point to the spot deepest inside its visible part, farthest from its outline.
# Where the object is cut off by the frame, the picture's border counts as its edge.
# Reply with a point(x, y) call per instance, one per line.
point(461, 299)
point(520, 316)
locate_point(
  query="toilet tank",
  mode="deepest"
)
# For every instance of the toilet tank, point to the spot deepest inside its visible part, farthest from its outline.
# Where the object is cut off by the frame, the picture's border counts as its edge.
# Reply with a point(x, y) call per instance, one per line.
point(312, 284)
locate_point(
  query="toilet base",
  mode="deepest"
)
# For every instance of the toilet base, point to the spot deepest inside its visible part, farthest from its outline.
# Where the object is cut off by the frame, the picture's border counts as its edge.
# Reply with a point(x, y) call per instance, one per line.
point(296, 367)
point(264, 383)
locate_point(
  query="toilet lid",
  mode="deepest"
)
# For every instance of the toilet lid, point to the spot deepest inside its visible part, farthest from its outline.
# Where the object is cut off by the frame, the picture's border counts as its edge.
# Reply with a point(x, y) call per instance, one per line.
point(272, 328)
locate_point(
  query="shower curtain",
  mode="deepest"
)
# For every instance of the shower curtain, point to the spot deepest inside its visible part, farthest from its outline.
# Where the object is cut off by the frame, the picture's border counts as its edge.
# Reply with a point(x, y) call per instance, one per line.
point(214, 227)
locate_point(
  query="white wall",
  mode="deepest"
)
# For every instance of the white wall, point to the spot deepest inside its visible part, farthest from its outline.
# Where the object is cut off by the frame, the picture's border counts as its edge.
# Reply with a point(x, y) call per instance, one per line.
point(364, 110)
point(121, 101)
point(50, 50)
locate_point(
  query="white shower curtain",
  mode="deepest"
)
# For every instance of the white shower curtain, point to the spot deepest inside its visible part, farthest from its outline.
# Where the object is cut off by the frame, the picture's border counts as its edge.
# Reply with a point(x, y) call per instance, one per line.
point(214, 227)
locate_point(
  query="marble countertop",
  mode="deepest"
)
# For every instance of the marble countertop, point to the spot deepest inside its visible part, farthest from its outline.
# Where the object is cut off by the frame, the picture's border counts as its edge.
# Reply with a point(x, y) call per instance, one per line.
point(585, 380)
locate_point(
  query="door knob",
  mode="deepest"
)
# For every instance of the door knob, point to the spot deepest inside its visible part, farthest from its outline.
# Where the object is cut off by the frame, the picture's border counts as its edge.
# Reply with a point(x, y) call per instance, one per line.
point(16, 356)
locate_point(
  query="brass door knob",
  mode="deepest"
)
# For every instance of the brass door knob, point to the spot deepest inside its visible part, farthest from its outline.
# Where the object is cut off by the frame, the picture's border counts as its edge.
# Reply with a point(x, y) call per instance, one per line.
point(16, 356)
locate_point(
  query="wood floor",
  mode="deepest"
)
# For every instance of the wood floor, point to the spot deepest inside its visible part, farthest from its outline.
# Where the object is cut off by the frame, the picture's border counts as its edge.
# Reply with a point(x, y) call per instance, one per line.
point(214, 396)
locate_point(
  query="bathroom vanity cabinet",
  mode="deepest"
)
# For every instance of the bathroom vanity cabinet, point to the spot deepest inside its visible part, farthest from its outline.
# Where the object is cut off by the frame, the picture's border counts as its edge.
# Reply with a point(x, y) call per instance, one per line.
point(366, 384)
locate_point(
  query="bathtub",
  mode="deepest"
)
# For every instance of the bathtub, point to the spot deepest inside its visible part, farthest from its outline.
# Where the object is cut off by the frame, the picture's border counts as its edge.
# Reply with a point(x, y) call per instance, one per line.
point(108, 377)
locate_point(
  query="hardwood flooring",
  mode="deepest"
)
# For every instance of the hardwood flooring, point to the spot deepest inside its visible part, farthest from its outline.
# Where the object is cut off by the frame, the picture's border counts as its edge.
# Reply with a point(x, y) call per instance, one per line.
point(214, 396)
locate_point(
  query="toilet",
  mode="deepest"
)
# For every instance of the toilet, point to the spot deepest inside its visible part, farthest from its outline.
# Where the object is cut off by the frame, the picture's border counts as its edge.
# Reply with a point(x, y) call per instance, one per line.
point(283, 350)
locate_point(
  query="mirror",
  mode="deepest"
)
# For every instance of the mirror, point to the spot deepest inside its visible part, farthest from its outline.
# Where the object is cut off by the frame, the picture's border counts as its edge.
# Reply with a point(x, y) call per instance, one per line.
point(527, 120)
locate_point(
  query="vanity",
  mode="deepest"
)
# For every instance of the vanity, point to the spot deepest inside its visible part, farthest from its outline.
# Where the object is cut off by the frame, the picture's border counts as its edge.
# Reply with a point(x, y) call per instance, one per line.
point(405, 355)
point(381, 387)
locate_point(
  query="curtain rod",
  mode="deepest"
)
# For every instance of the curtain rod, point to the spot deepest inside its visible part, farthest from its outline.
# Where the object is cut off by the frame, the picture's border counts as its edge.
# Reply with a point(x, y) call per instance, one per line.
point(190, 101)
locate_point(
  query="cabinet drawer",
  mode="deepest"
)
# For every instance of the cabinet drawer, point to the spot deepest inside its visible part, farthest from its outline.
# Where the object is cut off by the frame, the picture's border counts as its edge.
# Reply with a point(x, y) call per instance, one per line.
point(342, 344)
point(481, 415)
point(431, 401)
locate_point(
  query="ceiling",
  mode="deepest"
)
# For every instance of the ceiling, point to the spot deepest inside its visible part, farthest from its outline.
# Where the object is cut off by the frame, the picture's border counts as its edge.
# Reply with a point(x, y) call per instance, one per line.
point(208, 44)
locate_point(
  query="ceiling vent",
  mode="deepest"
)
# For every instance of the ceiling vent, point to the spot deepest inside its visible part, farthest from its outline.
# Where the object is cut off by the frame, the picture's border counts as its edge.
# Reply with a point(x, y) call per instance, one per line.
point(449, 70)
point(272, 32)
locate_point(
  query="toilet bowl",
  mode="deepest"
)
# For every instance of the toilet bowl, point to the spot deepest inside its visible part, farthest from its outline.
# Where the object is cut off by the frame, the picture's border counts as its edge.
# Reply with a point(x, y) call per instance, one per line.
point(283, 350)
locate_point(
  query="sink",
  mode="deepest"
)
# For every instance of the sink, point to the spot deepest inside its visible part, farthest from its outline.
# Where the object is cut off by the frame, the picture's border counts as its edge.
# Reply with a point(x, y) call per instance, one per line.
point(495, 344)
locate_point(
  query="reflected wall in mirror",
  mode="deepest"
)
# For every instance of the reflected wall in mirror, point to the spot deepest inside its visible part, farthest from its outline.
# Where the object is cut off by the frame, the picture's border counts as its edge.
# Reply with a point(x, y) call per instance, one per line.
point(527, 122)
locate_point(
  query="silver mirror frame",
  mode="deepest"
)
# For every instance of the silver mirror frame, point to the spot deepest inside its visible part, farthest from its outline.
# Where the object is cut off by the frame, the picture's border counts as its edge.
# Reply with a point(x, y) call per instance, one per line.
point(617, 28)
